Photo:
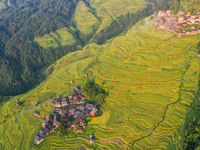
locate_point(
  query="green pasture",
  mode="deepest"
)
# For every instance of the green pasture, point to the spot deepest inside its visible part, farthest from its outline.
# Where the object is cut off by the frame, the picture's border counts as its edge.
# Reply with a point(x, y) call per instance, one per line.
point(151, 78)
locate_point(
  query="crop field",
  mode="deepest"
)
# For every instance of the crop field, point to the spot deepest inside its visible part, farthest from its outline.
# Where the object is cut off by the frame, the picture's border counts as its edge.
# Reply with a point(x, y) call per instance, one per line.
point(61, 37)
point(86, 22)
point(91, 20)
point(151, 78)
point(111, 9)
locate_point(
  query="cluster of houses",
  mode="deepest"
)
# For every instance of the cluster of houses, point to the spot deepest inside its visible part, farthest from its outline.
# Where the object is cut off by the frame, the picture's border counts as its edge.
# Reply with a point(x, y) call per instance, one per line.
point(180, 23)
point(70, 109)
point(47, 128)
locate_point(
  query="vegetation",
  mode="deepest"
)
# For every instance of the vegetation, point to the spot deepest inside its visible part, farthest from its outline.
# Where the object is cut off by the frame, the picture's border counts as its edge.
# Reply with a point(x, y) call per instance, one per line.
point(61, 130)
point(152, 82)
point(94, 91)
point(186, 5)
point(192, 136)
point(34, 34)
point(57, 39)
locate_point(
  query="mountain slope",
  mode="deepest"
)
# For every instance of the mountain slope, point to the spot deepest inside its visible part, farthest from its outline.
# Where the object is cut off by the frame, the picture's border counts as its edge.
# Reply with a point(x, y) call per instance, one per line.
point(31, 39)
point(152, 80)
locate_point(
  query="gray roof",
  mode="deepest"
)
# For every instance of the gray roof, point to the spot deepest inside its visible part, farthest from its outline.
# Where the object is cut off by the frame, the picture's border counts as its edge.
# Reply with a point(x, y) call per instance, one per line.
point(94, 110)
point(90, 105)
point(38, 137)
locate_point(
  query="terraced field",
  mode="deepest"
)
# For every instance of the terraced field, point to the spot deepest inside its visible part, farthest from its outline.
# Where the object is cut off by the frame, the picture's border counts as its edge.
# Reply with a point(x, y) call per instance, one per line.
point(90, 19)
point(111, 9)
point(61, 37)
point(152, 80)
point(86, 22)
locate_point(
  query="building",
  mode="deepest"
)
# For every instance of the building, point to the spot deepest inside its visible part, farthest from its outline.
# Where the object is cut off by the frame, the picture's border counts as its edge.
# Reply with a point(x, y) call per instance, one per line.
point(94, 111)
point(36, 104)
point(92, 141)
point(79, 129)
point(192, 28)
point(181, 12)
point(180, 26)
point(38, 139)
point(91, 106)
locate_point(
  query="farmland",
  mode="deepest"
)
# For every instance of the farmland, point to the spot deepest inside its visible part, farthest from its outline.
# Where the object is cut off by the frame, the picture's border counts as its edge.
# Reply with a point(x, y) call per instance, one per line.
point(89, 21)
point(61, 37)
point(86, 22)
point(151, 78)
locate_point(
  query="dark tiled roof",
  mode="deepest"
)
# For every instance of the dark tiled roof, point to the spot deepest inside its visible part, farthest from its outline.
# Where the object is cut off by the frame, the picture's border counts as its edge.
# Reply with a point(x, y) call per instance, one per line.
point(39, 137)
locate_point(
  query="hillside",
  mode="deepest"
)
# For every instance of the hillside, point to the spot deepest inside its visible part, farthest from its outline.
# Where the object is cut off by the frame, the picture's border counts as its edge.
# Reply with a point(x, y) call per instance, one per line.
point(34, 34)
point(152, 81)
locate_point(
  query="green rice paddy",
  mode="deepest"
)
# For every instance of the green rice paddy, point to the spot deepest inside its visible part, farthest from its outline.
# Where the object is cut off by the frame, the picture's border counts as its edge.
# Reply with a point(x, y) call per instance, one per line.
point(91, 20)
point(86, 22)
point(61, 37)
point(151, 78)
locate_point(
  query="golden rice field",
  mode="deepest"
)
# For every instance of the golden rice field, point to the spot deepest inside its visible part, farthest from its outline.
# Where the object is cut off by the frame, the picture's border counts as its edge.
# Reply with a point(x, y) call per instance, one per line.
point(111, 9)
point(152, 80)
point(86, 22)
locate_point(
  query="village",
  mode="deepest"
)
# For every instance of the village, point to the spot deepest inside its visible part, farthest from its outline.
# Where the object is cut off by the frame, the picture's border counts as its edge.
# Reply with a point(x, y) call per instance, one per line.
point(71, 109)
point(181, 24)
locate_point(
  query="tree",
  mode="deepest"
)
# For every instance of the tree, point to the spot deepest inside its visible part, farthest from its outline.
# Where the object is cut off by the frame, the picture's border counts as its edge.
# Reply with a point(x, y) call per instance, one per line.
point(94, 91)
point(61, 130)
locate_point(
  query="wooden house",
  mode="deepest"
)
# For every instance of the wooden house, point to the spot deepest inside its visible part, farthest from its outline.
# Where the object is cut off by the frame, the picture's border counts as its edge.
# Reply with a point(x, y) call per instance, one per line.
point(91, 106)
point(73, 106)
point(192, 28)
point(70, 111)
point(94, 111)
point(196, 22)
point(161, 13)
point(38, 139)
point(79, 129)
point(56, 123)
point(194, 32)
point(180, 26)
point(64, 103)
point(92, 140)
point(188, 33)
point(45, 130)
point(87, 112)
point(70, 98)
point(58, 98)
point(181, 12)
point(189, 13)
point(81, 118)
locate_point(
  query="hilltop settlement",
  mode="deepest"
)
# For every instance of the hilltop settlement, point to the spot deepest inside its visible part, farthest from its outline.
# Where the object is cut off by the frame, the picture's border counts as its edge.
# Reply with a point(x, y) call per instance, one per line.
point(70, 109)
point(181, 23)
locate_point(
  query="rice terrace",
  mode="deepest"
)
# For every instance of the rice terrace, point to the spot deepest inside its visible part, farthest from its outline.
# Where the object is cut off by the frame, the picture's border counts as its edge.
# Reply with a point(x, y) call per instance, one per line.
point(137, 90)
